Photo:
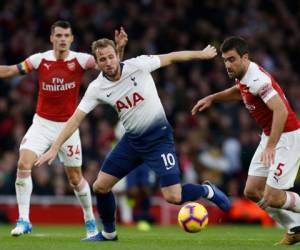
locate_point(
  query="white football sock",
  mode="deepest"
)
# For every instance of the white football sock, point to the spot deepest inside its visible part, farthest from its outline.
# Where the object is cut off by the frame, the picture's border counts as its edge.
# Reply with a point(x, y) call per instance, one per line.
point(210, 191)
point(292, 202)
point(23, 186)
point(109, 236)
point(83, 194)
point(125, 209)
point(287, 219)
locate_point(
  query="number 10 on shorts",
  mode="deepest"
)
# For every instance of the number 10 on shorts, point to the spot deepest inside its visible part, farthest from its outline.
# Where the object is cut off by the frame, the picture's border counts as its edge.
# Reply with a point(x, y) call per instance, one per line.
point(169, 160)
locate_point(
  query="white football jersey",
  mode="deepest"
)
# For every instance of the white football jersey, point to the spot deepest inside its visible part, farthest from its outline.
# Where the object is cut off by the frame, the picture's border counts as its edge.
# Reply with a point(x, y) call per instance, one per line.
point(133, 96)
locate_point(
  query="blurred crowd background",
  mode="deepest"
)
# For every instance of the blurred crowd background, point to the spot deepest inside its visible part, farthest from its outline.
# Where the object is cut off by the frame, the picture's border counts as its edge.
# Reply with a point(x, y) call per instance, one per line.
point(217, 144)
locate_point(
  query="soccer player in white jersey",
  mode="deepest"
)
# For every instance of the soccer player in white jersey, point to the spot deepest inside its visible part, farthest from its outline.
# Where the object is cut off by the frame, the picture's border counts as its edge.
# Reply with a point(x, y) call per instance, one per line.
point(60, 72)
point(275, 164)
point(129, 87)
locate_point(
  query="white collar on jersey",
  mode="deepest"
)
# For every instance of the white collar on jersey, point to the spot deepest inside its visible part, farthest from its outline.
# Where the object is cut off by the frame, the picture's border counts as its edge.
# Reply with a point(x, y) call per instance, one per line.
point(121, 66)
point(245, 78)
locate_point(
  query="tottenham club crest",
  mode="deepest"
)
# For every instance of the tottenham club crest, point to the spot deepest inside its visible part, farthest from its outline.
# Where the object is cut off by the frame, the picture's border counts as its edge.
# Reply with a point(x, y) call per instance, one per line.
point(71, 66)
point(133, 80)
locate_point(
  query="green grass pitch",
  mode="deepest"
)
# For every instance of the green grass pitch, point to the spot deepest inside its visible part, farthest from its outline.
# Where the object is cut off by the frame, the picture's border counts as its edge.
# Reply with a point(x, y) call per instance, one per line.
point(239, 237)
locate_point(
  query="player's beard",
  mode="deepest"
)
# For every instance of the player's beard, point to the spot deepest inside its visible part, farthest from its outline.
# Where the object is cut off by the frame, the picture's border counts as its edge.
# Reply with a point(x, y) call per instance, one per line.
point(237, 74)
point(240, 74)
point(113, 74)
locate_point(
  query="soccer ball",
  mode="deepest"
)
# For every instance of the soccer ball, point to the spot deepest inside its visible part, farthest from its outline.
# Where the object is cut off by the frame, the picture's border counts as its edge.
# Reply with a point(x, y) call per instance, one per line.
point(193, 217)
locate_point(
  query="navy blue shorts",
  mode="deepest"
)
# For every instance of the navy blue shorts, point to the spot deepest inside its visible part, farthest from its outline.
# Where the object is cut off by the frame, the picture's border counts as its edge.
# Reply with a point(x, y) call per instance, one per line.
point(159, 155)
point(138, 176)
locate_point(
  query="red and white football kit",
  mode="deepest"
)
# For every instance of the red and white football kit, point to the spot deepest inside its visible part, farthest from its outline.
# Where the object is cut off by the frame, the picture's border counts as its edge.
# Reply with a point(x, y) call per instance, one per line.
point(59, 85)
point(257, 87)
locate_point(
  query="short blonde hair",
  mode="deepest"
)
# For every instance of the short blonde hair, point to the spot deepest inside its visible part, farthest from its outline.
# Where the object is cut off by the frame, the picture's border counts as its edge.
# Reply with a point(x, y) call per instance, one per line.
point(103, 43)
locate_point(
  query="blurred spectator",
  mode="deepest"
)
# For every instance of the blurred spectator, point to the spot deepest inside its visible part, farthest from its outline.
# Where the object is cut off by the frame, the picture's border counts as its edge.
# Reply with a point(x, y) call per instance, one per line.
point(271, 28)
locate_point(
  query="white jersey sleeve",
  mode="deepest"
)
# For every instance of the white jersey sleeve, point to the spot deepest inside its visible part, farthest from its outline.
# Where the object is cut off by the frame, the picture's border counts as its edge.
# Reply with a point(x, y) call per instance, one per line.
point(90, 99)
point(35, 60)
point(147, 63)
point(262, 86)
point(85, 60)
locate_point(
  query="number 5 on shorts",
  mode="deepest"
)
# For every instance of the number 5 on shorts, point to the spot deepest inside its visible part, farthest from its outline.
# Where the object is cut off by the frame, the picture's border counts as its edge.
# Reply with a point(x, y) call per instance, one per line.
point(279, 169)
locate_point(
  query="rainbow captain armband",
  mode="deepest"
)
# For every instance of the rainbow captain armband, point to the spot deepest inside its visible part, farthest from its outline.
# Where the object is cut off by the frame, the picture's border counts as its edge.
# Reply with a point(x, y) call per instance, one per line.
point(24, 67)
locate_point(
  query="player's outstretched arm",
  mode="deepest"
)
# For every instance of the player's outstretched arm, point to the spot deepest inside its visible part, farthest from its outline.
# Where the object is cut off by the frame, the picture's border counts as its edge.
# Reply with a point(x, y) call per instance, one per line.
point(69, 128)
point(8, 71)
point(202, 104)
point(121, 39)
point(230, 94)
point(280, 114)
point(21, 68)
point(188, 55)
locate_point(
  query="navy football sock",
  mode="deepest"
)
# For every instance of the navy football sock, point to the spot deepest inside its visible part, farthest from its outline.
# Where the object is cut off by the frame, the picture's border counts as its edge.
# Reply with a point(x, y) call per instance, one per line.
point(106, 207)
point(192, 192)
point(145, 205)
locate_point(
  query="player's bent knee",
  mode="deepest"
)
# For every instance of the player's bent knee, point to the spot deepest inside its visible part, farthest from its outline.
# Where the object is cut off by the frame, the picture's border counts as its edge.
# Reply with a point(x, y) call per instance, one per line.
point(173, 198)
point(25, 165)
point(74, 182)
point(99, 188)
point(75, 179)
point(253, 195)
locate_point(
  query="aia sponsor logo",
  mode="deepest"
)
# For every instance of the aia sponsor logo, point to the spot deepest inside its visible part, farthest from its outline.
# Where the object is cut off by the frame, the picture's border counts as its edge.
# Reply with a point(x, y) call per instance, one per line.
point(129, 102)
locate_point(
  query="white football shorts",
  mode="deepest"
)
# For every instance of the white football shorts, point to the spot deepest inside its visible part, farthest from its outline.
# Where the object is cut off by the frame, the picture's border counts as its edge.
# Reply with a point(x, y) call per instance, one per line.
point(283, 172)
point(42, 134)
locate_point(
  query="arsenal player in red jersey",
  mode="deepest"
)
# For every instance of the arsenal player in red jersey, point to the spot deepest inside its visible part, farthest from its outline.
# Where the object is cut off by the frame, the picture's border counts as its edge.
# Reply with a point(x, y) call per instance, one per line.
point(60, 72)
point(275, 164)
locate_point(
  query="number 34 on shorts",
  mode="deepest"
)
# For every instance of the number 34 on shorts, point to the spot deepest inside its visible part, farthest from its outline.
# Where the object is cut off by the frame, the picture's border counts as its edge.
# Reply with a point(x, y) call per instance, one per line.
point(73, 150)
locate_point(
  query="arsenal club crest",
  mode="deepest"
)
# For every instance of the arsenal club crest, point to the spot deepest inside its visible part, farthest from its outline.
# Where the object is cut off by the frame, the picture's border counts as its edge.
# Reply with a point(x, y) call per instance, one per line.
point(71, 66)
